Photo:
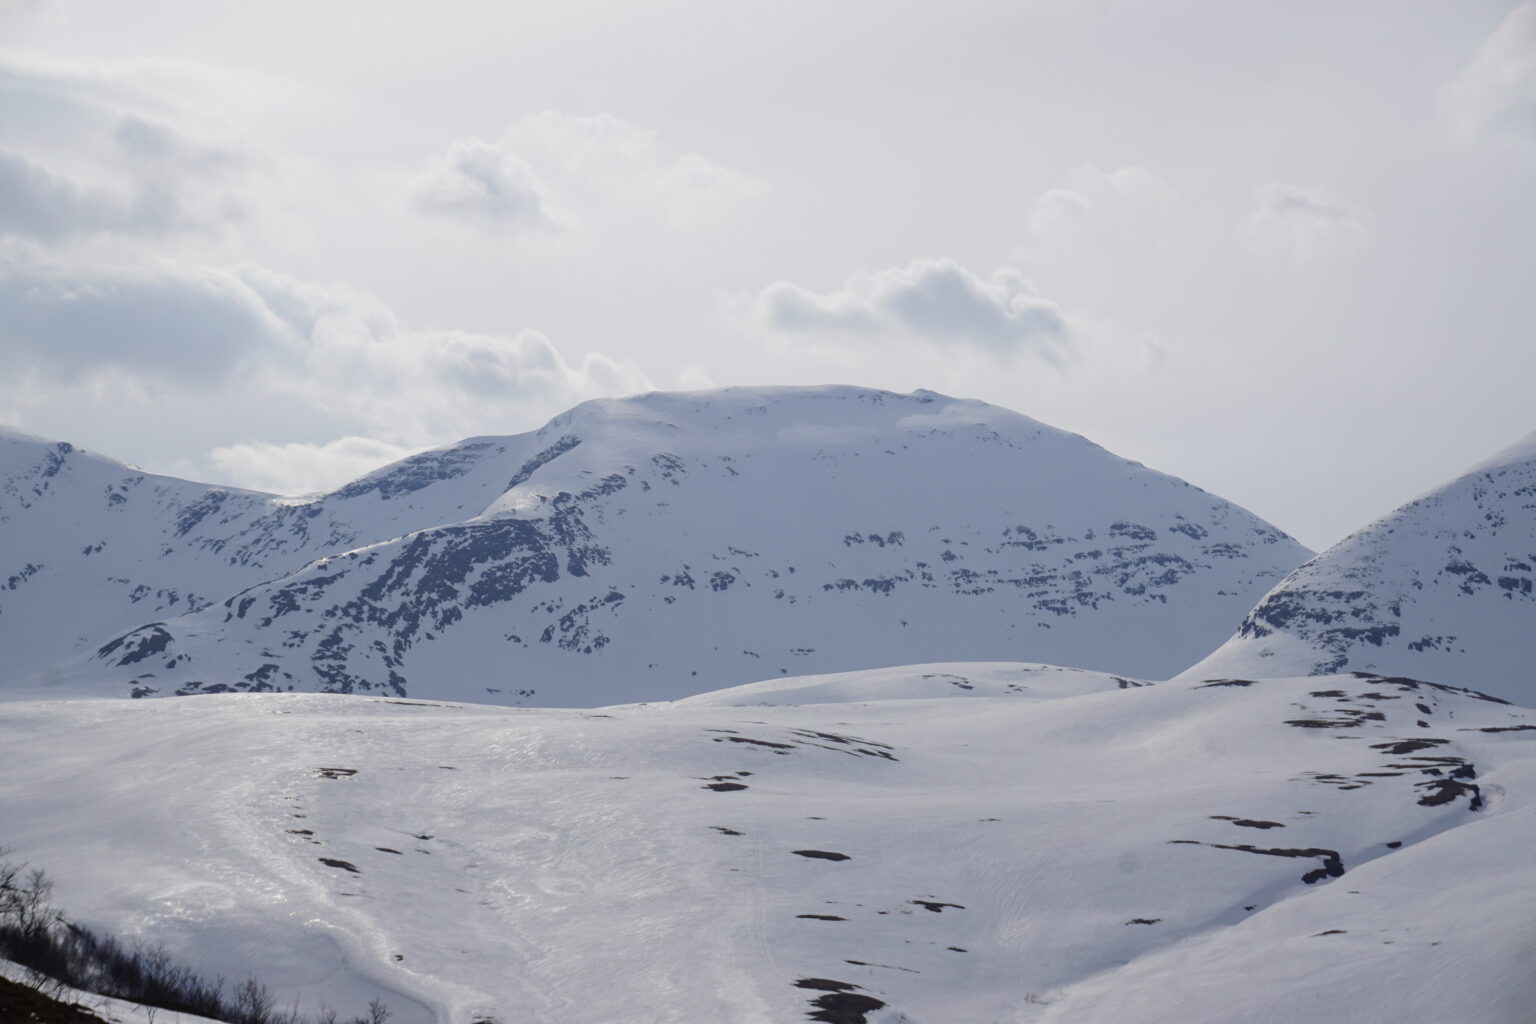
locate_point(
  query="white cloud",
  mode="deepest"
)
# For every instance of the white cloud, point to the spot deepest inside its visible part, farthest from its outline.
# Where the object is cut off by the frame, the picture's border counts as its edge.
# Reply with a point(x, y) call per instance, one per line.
point(484, 184)
point(1095, 206)
point(935, 302)
point(1307, 224)
point(353, 359)
point(357, 362)
point(631, 163)
point(300, 468)
point(694, 377)
point(591, 160)
point(1495, 94)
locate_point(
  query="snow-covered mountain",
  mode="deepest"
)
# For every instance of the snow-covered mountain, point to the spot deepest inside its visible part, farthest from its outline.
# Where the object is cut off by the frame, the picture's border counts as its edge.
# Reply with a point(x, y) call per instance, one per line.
point(1443, 588)
point(668, 544)
point(90, 547)
point(945, 840)
point(951, 843)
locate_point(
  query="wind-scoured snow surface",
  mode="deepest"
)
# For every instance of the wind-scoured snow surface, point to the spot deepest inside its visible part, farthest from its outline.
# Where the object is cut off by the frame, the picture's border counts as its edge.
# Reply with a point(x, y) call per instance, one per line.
point(1348, 848)
point(1443, 588)
point(641, 548)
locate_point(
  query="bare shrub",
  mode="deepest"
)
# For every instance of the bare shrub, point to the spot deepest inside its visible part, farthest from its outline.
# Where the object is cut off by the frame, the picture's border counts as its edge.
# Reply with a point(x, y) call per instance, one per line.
point(58, 954)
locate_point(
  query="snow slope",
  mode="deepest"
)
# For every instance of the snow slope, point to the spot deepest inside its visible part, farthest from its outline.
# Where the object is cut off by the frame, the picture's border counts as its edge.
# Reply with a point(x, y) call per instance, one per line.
point(1442, 588)
point(1341, 848)
point(669, 544)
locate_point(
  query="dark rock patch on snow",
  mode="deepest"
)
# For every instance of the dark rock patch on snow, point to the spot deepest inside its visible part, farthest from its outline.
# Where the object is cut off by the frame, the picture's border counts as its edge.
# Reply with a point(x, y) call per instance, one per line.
point(841, 1004)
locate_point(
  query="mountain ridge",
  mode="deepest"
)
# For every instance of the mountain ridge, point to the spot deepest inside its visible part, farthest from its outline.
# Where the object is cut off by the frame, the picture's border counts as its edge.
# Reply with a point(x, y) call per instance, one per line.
point(876, 517)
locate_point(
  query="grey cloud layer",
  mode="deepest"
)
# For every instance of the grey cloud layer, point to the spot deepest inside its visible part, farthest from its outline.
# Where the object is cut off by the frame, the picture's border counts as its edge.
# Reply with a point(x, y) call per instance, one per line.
point(170, 323)
point(330, 348)
point(95, 313)
point(40, 204)
point(36, 202)
point(130, 172)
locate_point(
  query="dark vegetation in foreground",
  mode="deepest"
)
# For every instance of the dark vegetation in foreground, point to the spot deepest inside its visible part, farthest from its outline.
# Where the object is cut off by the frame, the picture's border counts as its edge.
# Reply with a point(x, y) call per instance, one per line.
point(21, 1003)
point(59, 955)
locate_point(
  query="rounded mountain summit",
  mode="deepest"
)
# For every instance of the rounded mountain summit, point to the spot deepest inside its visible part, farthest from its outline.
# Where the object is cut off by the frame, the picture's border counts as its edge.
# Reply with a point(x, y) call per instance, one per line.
point(648, 548)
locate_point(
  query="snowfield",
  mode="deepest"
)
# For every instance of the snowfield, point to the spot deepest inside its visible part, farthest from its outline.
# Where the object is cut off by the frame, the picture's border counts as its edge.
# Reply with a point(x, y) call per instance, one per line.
point(948, 843)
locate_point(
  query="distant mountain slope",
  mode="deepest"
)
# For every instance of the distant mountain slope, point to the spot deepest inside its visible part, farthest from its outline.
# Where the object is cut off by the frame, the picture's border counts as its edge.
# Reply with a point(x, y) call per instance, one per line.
point(1334, 849)
point(90, 547)
point(667, 544)
point(1442, 588)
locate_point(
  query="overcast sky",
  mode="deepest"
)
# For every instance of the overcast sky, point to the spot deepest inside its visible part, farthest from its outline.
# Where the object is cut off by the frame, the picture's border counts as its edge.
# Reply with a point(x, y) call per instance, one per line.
point(1286, 251)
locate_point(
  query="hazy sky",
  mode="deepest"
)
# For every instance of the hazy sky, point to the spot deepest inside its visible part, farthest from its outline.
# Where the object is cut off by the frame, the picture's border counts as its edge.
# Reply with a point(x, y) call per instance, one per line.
point(1286, 251)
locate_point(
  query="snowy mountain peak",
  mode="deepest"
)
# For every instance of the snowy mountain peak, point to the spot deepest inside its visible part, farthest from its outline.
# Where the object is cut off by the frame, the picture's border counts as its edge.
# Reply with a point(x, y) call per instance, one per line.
point(1443, 588)
point(1520, 453)
point(791, 422)
point(27, 461)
